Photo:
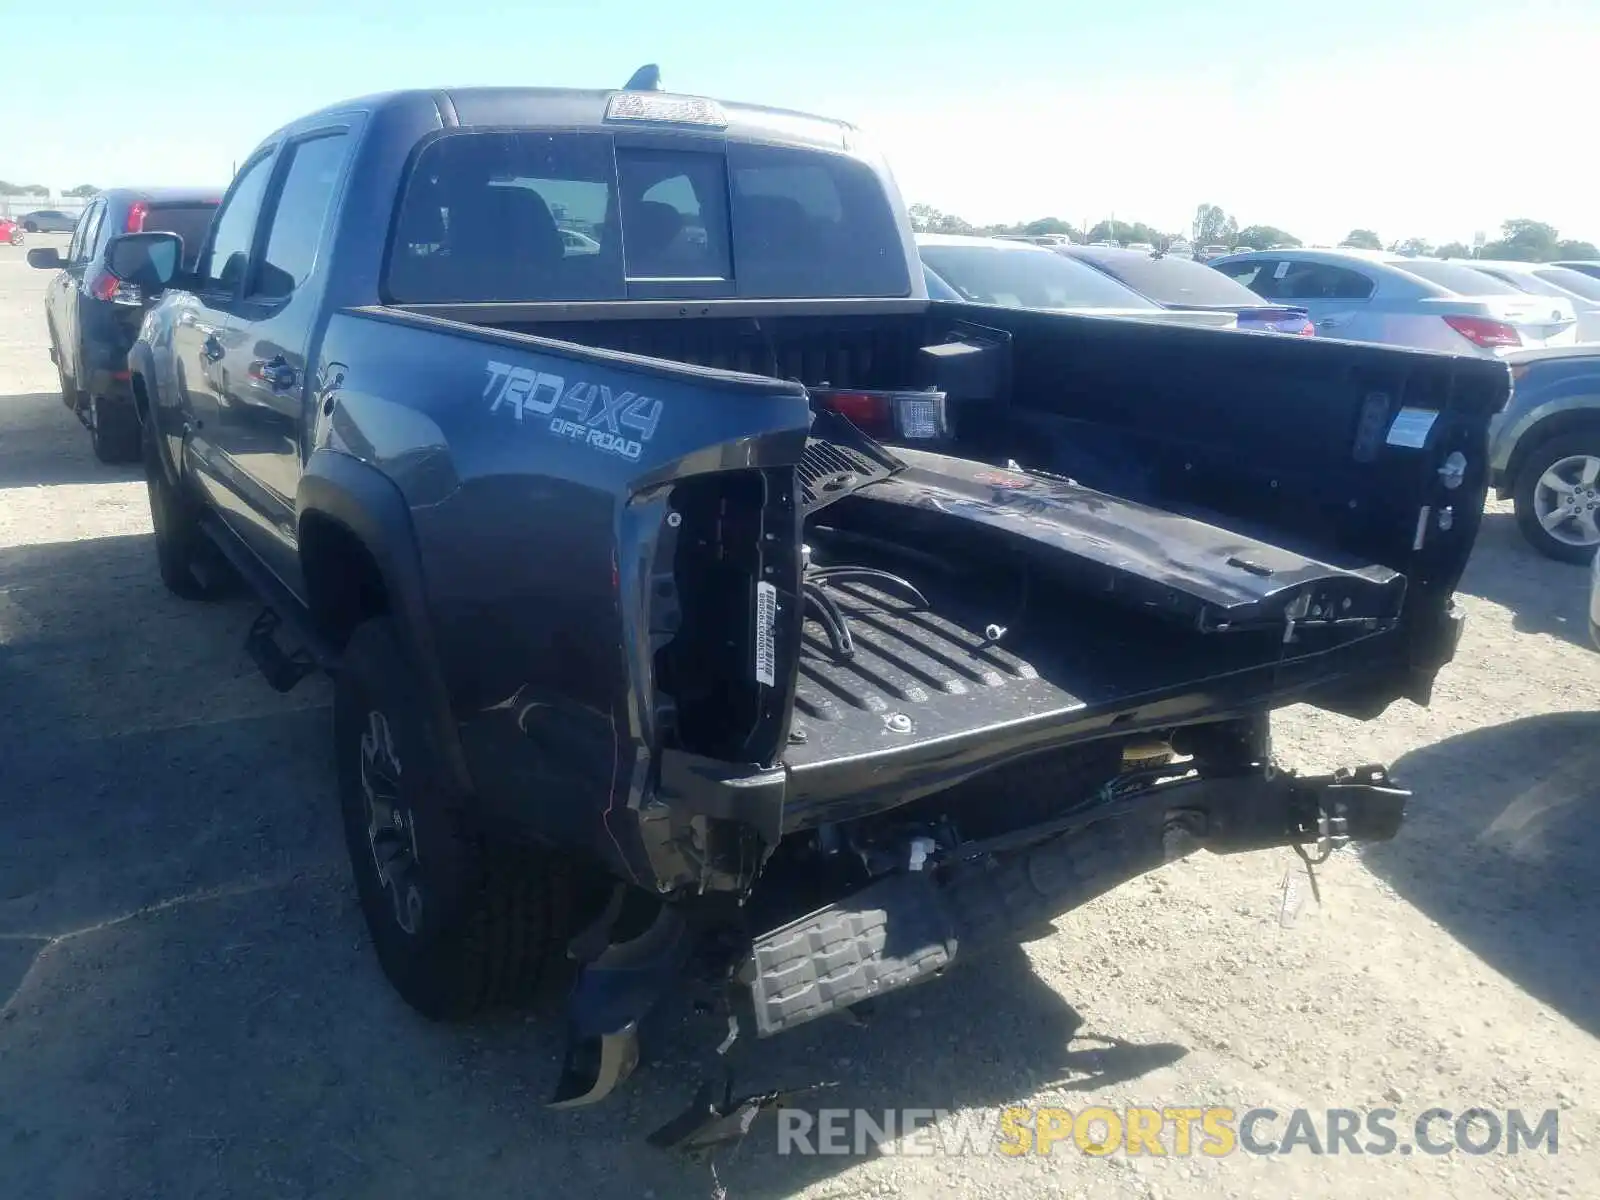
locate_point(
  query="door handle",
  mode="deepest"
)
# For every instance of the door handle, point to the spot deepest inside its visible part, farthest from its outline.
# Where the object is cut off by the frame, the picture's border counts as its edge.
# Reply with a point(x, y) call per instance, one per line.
point(274, 373)
point(1329, 323)
point(211, 349)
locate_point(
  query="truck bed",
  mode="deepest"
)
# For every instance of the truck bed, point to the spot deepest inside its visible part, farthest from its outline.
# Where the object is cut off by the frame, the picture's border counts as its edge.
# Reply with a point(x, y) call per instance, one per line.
point(931, 695)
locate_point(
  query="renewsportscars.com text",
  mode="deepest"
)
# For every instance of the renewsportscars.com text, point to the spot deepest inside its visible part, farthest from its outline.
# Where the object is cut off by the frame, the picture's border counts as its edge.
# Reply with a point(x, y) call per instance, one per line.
point(1211, 1131)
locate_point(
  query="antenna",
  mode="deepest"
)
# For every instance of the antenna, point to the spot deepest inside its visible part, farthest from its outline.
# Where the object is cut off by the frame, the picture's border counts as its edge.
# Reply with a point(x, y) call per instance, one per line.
point(646, 79)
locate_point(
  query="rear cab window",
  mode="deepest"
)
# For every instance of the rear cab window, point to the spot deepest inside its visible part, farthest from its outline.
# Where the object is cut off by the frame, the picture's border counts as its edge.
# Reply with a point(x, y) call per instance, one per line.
point(528, 216)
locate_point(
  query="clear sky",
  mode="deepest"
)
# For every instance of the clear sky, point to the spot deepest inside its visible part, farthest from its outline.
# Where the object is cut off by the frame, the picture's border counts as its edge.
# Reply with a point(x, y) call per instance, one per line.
point(1410, 117)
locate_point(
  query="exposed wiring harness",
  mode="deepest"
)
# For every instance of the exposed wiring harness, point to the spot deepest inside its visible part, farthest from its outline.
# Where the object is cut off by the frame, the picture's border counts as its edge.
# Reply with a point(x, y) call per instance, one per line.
point(826, 609)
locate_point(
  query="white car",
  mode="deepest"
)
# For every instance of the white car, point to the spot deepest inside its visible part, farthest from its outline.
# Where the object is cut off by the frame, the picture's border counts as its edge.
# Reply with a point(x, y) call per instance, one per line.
point(1548, 279)
point(983, 270)
point(1424, 303)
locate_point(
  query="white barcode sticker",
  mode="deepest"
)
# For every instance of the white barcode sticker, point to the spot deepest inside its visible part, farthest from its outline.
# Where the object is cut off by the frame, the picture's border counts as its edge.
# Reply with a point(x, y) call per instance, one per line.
point(766, 649)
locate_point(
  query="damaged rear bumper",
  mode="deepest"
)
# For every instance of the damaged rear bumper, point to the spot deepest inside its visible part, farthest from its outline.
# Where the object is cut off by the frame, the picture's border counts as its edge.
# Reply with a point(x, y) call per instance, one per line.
point(909, 926)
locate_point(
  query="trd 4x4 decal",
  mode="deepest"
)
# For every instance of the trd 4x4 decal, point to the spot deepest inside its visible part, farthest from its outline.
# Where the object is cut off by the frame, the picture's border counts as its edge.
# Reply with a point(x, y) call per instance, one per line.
point(619, 422)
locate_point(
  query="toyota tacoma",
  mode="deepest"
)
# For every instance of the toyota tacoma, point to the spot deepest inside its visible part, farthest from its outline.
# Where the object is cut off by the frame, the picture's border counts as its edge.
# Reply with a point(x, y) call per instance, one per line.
point(706, 606)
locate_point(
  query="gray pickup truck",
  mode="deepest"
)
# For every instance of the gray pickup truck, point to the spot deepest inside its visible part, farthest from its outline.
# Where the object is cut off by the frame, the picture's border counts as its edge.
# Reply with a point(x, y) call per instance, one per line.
point(707, 607)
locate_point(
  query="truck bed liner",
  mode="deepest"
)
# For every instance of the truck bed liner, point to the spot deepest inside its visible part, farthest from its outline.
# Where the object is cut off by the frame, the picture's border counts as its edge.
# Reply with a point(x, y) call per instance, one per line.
point(925, 688)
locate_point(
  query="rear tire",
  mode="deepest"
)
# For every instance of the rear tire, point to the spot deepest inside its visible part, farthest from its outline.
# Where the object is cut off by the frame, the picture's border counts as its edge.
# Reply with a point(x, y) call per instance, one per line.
point(459, 925)
point(191, 567)
point(31, 227)
point(1560, 457)
point(114, 431)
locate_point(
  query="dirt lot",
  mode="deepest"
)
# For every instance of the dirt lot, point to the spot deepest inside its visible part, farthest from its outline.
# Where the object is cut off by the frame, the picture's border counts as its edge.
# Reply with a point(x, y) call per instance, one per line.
point(188, 1005)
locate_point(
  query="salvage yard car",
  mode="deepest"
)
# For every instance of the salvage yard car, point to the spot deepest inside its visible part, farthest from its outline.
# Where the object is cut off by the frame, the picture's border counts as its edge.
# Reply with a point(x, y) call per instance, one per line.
point(92, 317)
point(717, 610)
point(985, 270)
point(1423, 303)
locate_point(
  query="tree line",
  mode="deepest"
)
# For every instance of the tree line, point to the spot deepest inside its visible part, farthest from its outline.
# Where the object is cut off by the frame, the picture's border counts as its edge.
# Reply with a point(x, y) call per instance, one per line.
point(83, 190)
point(1520, 239)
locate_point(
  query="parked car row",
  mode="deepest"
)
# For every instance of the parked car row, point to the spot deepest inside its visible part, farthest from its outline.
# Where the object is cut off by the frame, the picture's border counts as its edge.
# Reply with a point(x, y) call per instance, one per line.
point(1546, 450)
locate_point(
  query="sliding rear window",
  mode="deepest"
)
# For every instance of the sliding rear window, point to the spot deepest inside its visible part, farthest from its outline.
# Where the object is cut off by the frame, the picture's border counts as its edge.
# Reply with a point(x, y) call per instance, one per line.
point(526, 216)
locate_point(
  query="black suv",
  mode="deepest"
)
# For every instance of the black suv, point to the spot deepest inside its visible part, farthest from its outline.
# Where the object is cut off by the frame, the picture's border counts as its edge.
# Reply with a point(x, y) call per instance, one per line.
point(93, 319)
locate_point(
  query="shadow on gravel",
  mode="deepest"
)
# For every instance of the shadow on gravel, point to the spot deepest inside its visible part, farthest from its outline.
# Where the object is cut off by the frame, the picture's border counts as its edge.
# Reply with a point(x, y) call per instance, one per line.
point(41, 443)
point(189, 1003)
point(1544, 596)
point(1501, 849)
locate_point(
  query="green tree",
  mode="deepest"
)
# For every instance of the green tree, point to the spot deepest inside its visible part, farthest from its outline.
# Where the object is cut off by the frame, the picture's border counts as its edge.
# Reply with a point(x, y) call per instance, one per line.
point(927, 219)
point(1213, 227)
point(1523, 240)
point(1454, 250)
point(1362, 239)
point(1043, 226)
point(1579, 250)
point(1259, 237)
point(1414, 246)
point(82, 191)
point(22, 189)
point(1125, 232)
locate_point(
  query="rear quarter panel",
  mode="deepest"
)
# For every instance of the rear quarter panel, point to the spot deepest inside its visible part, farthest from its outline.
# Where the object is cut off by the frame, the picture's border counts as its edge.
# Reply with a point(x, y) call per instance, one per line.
point(536, 475)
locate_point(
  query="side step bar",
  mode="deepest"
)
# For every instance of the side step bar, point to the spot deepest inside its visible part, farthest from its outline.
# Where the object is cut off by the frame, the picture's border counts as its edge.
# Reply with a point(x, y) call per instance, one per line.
point(283, 669)
point(906, 928)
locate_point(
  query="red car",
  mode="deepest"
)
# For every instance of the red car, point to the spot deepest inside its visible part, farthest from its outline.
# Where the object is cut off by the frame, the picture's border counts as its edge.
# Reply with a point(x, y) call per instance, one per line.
point(10, 231)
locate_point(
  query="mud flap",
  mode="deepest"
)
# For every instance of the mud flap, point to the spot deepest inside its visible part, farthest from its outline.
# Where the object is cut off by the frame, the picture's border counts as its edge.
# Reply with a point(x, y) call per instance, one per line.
point(610, 997)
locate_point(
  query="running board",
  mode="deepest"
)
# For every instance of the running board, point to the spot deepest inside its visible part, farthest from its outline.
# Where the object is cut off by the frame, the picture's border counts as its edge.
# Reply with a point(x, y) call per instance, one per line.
point(282, 614)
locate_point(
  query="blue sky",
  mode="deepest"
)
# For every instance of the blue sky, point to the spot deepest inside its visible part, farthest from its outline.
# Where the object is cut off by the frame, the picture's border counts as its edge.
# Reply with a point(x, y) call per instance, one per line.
point(1412, 117)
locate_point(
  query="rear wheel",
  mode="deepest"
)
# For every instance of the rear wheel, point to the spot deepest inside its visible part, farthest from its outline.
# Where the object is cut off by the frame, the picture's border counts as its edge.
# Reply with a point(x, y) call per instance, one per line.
point(114, 431)
point(1557, 496)
point(191, 567)
point(459, 925)
point(30, 227)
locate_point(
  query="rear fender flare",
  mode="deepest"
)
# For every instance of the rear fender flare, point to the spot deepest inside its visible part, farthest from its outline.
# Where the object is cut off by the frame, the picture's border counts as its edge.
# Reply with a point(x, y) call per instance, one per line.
point(370, 507)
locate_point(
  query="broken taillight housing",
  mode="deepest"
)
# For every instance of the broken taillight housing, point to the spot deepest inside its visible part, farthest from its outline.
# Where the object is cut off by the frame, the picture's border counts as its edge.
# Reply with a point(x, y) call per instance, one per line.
point(896, 416)
point(108, 287)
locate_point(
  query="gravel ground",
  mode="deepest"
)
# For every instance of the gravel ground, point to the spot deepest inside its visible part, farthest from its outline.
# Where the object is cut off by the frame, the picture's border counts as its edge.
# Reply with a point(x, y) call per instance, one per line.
point(188, 1005)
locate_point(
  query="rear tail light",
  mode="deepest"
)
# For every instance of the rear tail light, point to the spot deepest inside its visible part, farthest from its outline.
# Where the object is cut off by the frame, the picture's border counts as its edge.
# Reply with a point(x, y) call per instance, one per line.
point(1485, 331)
point(888, 415)
point(136, 215)
point(107, 286)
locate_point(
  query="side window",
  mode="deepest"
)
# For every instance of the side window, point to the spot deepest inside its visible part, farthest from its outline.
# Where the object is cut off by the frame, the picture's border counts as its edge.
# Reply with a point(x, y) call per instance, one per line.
point(1322, 281)
point(1254, 273)
point(76, 244)
point(83, 236)
point(224, 263)
point(300, 215)
point(100, 234)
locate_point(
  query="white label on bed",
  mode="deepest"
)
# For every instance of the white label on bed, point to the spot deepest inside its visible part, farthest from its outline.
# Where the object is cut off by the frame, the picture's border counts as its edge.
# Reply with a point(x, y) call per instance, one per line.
point(766, 618)
point(1411, 427)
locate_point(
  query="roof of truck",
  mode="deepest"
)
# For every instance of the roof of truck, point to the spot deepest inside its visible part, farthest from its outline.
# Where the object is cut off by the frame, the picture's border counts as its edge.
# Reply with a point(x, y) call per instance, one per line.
point(578, 107)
